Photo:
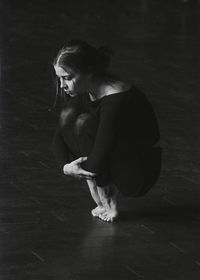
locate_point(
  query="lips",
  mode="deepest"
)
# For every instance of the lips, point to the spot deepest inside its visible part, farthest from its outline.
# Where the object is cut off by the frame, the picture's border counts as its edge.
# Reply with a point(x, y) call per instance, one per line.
point(67, 91)
point(70, 93)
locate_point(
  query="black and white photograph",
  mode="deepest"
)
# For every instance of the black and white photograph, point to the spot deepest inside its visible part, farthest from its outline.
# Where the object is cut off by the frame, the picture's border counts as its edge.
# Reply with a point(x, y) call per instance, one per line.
point(99, 140)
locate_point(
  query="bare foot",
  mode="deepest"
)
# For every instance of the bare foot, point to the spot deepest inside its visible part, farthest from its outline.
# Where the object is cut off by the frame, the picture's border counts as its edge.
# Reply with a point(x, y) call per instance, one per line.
point(108, 197)
point(110, 214)
point(98, 211)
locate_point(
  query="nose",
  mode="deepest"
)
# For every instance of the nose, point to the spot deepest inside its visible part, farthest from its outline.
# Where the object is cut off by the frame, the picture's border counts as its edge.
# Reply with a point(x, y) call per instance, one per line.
point(62, 83)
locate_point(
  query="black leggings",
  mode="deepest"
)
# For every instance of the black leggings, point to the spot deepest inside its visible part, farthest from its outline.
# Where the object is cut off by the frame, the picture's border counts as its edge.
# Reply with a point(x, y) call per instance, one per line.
point(134, 174)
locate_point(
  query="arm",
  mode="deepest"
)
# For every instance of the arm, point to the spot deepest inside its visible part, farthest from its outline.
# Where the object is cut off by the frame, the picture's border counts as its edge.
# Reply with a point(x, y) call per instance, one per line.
point(106, 134)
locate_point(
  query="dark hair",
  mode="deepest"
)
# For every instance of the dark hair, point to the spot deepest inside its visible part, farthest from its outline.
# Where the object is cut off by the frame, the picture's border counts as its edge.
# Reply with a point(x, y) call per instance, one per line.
point(83, 57)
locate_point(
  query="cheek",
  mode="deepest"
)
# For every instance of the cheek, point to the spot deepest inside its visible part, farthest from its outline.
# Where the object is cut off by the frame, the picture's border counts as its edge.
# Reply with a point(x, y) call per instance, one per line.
point(77, 83)
point(70, 84)
point(81, 82)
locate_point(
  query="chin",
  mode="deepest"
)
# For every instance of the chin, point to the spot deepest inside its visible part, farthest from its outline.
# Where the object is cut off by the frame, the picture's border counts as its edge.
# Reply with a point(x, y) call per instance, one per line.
point(75, 93)
point(72, 95)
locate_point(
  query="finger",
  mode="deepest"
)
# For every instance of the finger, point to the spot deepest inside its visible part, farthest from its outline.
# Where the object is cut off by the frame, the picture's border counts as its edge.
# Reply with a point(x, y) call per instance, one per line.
point(87, 173)
point(86, 177)
point(78, 177)
point(81, 159)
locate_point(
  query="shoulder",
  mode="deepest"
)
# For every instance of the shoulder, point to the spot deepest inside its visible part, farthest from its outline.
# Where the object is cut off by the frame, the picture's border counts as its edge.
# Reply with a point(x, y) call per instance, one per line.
point(116, 87)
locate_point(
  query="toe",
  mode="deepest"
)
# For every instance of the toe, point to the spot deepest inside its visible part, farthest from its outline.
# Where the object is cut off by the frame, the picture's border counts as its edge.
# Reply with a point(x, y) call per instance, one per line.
point(101, 217)
point(94, 213)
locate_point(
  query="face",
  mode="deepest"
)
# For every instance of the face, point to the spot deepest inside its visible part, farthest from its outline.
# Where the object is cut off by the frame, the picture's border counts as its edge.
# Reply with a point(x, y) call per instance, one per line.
point(72, 83)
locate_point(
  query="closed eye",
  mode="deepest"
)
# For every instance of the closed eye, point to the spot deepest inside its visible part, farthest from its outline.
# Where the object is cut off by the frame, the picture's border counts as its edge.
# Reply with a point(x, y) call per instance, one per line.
point(67, 78)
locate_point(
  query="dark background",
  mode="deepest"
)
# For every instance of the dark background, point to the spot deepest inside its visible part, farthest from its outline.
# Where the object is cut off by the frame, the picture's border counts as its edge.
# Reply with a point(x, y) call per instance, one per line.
point(46, 230)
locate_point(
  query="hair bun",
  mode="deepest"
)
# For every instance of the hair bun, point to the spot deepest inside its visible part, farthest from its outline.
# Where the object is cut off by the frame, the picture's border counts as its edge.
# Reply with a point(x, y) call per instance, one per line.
point(86, 58)
point(104, 57)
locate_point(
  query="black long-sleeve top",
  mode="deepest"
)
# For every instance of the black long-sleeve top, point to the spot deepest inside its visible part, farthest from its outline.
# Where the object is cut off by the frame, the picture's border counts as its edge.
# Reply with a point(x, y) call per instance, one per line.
point(126, 117)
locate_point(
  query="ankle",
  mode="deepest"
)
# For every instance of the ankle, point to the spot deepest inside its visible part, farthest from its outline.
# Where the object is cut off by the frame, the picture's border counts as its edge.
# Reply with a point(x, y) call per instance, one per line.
point(100, 204)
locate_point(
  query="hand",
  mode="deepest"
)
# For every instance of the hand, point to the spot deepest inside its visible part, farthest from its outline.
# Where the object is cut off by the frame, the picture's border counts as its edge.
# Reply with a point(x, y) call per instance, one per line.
point(74, 169)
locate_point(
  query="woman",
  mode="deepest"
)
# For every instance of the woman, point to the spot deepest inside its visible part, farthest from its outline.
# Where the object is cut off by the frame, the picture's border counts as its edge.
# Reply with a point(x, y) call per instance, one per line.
point(106, 129)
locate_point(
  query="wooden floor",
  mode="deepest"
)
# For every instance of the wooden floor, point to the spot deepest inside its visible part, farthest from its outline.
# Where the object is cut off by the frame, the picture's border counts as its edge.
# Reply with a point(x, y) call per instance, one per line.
point(46, 229)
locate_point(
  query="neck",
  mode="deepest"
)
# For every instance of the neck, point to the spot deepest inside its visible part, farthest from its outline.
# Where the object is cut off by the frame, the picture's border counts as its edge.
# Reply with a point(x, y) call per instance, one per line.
point(95, 88)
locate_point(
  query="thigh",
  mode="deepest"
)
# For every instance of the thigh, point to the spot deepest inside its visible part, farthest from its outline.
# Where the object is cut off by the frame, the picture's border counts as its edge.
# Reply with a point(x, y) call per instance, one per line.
point(126, 169)
point(151, 159)
point(135, 170)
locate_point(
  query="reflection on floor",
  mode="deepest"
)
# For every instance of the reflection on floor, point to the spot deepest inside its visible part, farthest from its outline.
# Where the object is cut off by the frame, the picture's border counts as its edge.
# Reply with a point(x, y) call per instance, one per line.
point(46, 230)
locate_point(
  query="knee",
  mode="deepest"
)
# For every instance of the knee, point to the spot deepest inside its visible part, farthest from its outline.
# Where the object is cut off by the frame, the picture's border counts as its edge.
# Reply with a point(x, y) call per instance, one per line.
point(67, 115)
point(80, 123)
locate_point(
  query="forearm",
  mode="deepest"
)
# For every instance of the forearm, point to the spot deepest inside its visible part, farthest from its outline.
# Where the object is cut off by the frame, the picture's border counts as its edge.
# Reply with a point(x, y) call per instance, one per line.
point(105, 139)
